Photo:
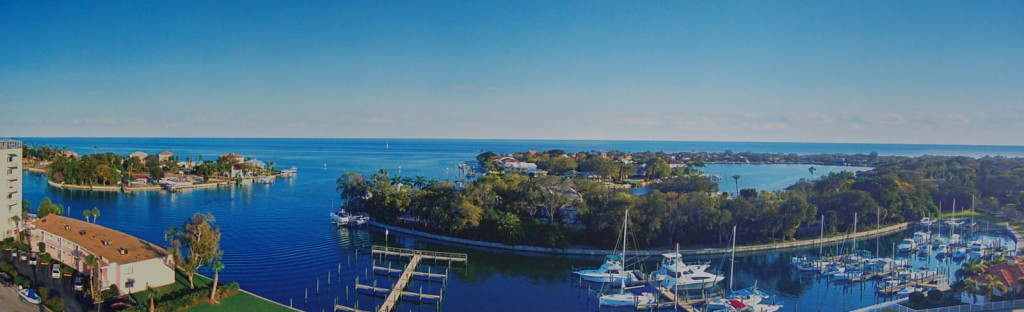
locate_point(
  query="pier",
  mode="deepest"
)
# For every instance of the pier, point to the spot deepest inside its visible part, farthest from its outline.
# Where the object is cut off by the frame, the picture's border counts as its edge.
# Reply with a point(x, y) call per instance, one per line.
point(398, 291)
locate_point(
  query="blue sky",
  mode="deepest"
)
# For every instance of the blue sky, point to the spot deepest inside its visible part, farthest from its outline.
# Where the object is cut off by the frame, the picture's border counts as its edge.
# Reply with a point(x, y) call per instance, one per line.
point(814, 71)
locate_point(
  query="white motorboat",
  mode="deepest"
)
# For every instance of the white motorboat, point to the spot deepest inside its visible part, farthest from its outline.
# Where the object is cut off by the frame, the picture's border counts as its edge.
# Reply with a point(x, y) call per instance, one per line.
point(926, 221)
point(909, 290)
point(907, 245)
point(847, 276)
point(346, 218)
point(921, 237)
point(674, 272)
point(611, 271)
point(29, 295)
point(636, 296)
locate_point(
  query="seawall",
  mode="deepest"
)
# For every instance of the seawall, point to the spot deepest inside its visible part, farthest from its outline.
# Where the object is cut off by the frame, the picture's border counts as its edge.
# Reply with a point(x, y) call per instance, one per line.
point(651, 252)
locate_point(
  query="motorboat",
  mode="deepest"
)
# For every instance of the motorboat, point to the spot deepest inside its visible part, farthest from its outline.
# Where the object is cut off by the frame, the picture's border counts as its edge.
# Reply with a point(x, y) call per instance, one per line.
point(909, 290)
point(847, 276)
point(611, 271)
point(906, 245)
point(960, 253)
point(833, 270)
point(921, 237)
point(29, 295)
point(691, 279)
point(347, 218)
point(926, 221)
point(749, 296)
point(726, 305)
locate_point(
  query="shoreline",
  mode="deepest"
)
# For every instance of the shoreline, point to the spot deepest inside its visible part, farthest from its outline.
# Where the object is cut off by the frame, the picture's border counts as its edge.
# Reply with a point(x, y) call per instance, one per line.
point(104, 188)
point(649, 252)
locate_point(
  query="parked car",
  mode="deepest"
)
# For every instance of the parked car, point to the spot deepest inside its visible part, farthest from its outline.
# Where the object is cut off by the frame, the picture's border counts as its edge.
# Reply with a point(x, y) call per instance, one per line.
point(55, 270)
point(78, 283)
point(6, 279)
point(33, 259)
point(23, 255)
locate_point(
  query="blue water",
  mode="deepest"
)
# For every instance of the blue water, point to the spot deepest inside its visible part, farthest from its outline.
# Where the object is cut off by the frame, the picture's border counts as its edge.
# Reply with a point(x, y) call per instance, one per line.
point(278, 244)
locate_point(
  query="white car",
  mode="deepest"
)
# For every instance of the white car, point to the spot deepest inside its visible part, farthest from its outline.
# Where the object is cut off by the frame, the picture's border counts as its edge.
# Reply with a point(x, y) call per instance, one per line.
point(78, 283)
point(32, 259)
point(55, 270)
point(23, 255)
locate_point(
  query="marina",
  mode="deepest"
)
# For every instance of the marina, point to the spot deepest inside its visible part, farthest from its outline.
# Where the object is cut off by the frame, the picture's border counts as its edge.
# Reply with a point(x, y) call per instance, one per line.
point(397, 291)
point(305, 262)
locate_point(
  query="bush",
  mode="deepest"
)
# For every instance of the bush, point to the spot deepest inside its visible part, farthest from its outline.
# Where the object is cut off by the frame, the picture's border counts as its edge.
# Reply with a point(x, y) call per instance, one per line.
point(934, 295)
point(43, 292)
point(54, 303)
point(110, 292)
point(917, 297)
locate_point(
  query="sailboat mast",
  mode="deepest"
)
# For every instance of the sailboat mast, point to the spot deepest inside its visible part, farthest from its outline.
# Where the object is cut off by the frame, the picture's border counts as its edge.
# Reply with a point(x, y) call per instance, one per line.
point(732, 259)
point(855, 232)
point(821, 239)
point(625, 222)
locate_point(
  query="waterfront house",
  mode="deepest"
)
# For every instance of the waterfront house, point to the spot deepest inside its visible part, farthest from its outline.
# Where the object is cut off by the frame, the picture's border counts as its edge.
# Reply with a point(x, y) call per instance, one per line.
point(140, 155)
point(128, 262)
point(237, 158)
point(165, 155)
point(1007, 273)
point(139, 179)
point(70, 154)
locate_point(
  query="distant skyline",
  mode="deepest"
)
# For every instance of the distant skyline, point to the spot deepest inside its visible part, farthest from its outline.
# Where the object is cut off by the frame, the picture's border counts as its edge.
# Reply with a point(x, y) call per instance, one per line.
point(912, 72)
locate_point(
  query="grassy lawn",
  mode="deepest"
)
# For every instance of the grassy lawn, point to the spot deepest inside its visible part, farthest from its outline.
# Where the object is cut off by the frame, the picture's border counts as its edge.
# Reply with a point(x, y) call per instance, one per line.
point(180, 282)
point(241, 302)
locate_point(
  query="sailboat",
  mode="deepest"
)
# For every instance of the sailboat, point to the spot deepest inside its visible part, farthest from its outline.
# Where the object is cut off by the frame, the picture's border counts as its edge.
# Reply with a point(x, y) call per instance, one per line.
point(748, 296)
point(634, 297)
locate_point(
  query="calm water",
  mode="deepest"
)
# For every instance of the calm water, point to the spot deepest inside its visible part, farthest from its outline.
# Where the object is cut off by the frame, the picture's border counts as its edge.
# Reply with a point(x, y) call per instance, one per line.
point(278, 243)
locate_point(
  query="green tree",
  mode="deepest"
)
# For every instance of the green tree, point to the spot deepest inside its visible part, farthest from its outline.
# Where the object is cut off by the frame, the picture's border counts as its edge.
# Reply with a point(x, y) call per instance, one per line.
point(354, 189)
point(195, 244)
point(87, 213)
point(46, 207)
point(811, 169)
point(991, 286)
point(95, 213)
point(971, 287)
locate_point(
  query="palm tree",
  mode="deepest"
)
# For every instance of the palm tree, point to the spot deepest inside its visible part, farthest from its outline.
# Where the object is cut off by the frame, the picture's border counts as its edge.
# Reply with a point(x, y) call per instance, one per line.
point(95, 213)
point(991, 285)
point(812, 170)
point(16, 219)
point(216, 266)
point(94, 265)
point(971, 286)
point(737, 179)
point(87, 213)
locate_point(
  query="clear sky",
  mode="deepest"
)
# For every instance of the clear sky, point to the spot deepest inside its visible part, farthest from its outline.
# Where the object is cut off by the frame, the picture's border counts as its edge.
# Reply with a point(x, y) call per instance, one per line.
point(810, 71)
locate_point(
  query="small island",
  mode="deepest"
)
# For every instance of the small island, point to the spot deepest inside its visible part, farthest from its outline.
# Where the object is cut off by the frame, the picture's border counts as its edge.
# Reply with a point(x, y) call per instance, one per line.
point(565, 200)
point(140, 171)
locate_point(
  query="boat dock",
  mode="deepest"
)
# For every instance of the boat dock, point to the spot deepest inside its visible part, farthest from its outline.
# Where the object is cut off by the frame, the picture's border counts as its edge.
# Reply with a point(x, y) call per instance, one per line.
point(398, 289)
point(672, 301)
point(930, 281)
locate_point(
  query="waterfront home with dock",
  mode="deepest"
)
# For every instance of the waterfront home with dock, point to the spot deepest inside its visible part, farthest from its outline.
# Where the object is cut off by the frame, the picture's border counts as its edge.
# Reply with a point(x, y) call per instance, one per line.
point(128, 262)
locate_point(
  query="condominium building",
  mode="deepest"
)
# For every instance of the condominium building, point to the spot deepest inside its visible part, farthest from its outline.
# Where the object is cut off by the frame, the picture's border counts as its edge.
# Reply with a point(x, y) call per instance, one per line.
point(10, 188)
point(126, 261)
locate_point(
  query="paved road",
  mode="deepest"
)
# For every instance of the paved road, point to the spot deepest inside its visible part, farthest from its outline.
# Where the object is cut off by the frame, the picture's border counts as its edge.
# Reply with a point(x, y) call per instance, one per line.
point(40, 275)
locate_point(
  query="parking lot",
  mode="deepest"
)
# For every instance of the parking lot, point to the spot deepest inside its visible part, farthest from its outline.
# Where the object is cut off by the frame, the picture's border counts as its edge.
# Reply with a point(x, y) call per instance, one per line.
point(40, 276)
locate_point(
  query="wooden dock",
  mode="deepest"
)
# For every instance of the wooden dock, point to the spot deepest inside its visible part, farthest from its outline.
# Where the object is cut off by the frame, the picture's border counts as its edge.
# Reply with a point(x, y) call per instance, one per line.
point(929, 281)
point(423, 254)
point(398, 289)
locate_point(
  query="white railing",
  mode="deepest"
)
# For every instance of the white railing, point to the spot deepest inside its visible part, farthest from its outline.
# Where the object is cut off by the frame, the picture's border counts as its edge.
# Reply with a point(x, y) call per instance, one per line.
point(988, 306)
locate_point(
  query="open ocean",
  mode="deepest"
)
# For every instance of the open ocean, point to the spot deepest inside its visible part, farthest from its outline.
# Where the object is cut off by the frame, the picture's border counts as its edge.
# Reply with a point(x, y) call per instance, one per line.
point(279, 244)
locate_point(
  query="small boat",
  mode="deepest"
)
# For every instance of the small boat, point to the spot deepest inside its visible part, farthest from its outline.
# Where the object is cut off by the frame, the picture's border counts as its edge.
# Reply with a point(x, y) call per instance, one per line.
point(906, 245)
point(29, 295)
point(921, 237)
point(960, 253)
point(833, 270)
point(635, 297)
point(611, 271)
point(749, 296)
point(909, 290)
point(926, 221)
point(847, 276)
point(346, 218)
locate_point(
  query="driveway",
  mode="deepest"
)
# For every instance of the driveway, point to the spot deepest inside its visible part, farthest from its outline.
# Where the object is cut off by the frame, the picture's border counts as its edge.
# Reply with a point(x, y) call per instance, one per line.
point(40, 276)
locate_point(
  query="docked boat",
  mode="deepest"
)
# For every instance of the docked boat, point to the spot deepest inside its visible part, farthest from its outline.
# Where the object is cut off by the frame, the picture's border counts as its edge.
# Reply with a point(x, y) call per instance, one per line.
point(848, 276)
point(634, 297)
point(909, 290)
point(29, 295)
point(907, 245)
point(926, 221)
point(347, 218)
point(960, 253)
point(611, 271)
point(674, 273)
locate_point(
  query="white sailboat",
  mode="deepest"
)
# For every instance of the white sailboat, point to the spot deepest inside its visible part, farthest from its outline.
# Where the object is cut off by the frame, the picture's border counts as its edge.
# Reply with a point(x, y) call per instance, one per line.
point(634, 297)
point(611, 271)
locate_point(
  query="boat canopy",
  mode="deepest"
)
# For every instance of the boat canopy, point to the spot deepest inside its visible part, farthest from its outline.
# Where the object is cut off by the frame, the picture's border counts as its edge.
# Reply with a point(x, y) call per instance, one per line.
point(641, 290)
